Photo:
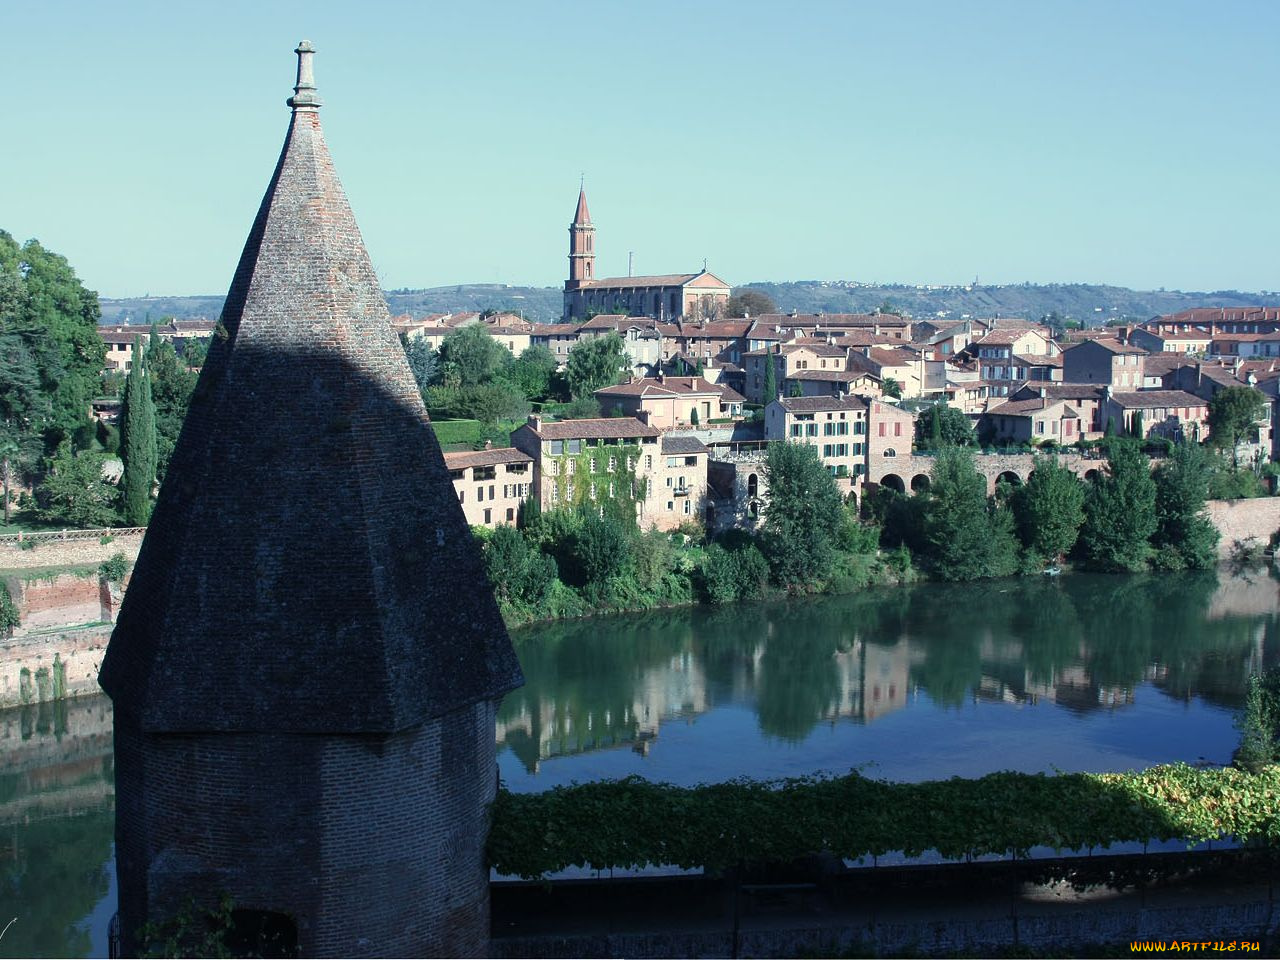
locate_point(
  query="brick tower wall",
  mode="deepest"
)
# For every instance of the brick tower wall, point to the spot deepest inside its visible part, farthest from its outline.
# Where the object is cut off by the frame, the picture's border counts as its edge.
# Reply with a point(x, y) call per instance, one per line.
point(348, 834)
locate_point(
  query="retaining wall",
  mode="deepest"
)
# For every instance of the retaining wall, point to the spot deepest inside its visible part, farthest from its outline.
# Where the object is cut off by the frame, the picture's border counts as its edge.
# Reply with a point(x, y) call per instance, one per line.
point(1240, 520)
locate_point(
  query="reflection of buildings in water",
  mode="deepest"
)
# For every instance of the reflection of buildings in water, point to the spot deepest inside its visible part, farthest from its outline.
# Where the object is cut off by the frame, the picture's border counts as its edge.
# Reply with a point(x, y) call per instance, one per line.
point(675, 690)
point(57, 758)
point(1248, 594)
point(874, 680)
point(1071, 687)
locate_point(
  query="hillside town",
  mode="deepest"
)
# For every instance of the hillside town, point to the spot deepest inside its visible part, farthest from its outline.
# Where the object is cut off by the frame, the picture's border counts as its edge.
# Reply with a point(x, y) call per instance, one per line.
point(701, 393)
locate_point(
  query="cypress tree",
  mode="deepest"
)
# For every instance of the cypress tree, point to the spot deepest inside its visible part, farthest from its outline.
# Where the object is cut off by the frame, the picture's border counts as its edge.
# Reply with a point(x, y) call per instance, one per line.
point(1139, 428)
point(770, 380)
point(138, 441)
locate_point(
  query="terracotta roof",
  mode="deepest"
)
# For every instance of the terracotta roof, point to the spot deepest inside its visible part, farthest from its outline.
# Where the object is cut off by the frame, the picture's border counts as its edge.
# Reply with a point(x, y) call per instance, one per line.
point(1038, 361)
point(595, 429)
point(581, 216)
point(1062, 391)
point(1006, 336)
point(822, 404)
point(713, 328)
point(279, 606)
point(1114, 346)
point(662, 280)
point(895, 357)
point(553, 329)
point(1147, 399)
point(1022, 408)
point(485, 458)
point(1206, 315)
point(831, 376)
point(688, 446)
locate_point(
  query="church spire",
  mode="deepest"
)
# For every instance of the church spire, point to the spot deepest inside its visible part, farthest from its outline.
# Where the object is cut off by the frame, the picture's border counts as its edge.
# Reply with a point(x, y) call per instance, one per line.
point(304, 93)
point(582, 254)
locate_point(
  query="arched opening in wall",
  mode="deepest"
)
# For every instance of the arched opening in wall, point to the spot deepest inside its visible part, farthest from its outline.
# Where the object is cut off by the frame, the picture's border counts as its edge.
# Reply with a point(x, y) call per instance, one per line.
point(1091, 476)
point(890, 453)
point(262, 933)
point(893, 482)
point(753, 486)
point(919, 482)
point(1010, 478)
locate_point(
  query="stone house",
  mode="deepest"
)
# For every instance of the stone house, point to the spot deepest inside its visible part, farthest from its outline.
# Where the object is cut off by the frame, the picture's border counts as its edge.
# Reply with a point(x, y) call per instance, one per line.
point(491, 484)
point(1172, 414)
point(677, 484)
point(671, 402)
point(593, 460)
point(1034, 420)
point(1105, 362)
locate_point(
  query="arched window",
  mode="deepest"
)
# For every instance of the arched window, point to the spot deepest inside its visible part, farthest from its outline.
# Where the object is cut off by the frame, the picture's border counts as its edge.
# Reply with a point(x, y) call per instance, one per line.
point(890, 453)
point(753, 486)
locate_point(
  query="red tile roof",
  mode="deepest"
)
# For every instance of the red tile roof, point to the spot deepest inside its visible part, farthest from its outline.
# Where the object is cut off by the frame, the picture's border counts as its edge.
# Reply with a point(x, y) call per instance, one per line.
point(596, 428)
point(485, 458)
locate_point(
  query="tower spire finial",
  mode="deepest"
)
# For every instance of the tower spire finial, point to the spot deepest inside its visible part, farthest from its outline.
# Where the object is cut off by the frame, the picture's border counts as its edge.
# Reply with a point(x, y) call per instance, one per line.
point(304, 93)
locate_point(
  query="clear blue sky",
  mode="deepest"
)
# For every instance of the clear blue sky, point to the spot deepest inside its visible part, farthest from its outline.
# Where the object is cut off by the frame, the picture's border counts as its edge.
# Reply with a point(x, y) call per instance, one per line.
point(1130, 143)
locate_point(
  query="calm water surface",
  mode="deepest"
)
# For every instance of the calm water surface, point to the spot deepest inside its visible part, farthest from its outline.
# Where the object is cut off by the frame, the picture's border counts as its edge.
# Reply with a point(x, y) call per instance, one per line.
point(1077, 673)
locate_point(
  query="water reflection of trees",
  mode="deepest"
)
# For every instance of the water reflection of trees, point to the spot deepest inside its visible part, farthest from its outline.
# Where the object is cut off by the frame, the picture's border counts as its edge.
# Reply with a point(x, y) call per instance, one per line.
point(1083, 641)
point(53, 875)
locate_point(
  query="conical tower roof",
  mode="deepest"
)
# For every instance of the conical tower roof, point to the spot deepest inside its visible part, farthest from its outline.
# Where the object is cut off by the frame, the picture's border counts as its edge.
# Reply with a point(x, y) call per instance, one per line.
point(308, 567)
point(581, 216)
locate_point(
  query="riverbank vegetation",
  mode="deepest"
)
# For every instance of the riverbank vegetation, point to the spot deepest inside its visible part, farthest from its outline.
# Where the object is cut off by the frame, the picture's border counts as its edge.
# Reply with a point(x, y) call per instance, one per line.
point(1129, 518)
point(725, 825)
point(567, 563)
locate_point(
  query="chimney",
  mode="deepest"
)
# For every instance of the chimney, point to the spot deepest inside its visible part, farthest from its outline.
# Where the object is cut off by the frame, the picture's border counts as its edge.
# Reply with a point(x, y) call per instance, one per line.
point(535, 422)
point(1043, 393)
point(643, 417)
point(488, 444)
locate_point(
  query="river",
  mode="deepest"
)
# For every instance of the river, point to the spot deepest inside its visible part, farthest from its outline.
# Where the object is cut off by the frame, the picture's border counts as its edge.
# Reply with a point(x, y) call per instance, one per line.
point(1080, 672)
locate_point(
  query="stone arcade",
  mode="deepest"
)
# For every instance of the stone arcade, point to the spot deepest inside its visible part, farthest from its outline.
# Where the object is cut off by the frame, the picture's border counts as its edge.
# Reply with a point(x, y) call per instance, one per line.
point(306, 666)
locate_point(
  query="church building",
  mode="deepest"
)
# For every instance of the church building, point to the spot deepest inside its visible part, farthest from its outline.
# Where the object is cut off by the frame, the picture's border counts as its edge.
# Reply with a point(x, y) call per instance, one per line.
point(669, 297)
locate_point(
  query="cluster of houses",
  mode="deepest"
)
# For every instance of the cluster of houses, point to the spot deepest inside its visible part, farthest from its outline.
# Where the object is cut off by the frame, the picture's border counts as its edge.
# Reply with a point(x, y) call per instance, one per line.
point(845, 385)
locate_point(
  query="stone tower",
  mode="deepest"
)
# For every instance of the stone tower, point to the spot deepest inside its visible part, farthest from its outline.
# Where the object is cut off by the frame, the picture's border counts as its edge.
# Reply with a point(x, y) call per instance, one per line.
point(306, 665)
point(582, 253)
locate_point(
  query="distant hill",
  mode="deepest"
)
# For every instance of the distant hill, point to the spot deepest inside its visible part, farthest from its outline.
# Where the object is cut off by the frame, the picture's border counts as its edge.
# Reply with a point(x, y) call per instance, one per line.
point(1093, 304)
point(1090, 303)
point(539, 304)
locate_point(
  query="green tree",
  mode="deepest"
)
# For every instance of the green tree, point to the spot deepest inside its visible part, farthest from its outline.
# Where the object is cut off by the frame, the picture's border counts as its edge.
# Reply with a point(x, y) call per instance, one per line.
point(25, 413)
point(470, 356)
point(891, 388)
point(519, 574)
point(43, 302)
point(138, 441)
point(965, 537)
point(1049, 509)
point(171, 386)
point(1120, 513)
point(795, 390)
point(194, 352)
point(599, 548)
point(423, 361)
point(1184, 537)
point(532, 372)
point(1233, 414)
point(940, 424)
point(769, 392)
point(596, 362)
point(73, 490)
point(750, 303)
point(803, 517)
point(1139, 426)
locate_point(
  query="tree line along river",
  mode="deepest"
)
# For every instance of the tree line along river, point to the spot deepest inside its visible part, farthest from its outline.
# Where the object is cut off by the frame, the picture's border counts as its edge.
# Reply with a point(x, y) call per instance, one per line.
point(1080, 672)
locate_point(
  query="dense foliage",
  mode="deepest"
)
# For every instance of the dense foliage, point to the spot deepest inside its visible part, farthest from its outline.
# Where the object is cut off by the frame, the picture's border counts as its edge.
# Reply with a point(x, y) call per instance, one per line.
point(803, 517)
point(50, 358)
point(1184, 537)
point(966, 537)
point(1120, 513)
point(938, 425)
point(1049, 510)
point(1233, 414)
point(719, 826)
point(596, 362)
